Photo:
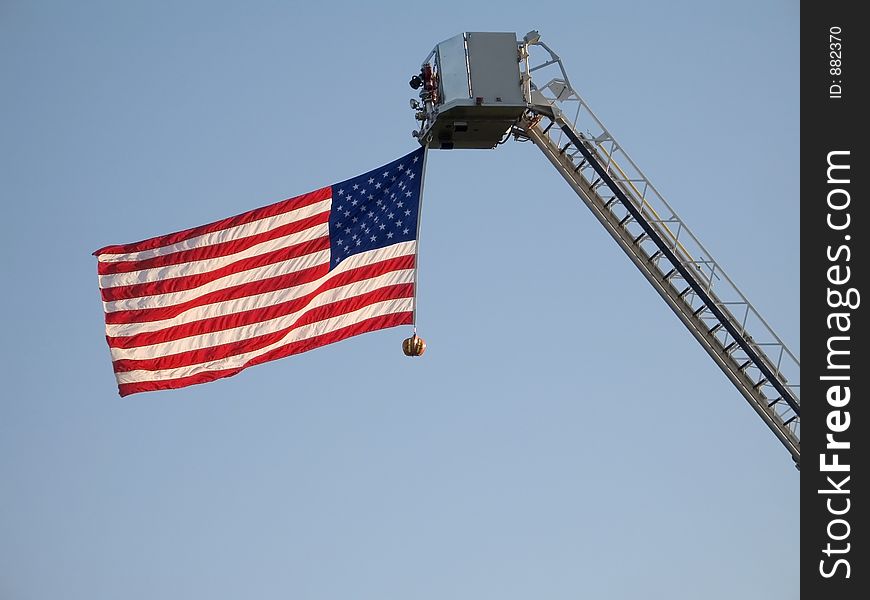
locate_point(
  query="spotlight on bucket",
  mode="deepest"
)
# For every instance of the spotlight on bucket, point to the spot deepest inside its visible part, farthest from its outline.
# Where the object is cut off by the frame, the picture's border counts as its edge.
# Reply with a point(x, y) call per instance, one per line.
point(414, 346)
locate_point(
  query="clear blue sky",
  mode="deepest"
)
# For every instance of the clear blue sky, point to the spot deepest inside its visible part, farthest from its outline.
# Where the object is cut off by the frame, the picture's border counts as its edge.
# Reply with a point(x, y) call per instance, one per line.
point(564, 437)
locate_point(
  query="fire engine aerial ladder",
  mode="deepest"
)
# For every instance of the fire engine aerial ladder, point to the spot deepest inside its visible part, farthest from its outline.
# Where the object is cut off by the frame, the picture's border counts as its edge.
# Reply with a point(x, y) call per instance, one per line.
point(478, 89)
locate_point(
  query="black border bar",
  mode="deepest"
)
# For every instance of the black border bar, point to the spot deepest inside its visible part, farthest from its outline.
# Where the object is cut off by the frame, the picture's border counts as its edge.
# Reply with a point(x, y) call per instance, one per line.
point(834, 337)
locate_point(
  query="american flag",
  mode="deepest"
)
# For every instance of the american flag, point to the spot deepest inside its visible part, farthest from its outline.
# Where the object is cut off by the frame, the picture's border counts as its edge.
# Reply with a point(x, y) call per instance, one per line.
point(205, 303)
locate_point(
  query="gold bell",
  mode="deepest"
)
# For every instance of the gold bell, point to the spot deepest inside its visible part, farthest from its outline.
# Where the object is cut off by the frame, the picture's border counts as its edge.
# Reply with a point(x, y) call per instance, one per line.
point(414, 346)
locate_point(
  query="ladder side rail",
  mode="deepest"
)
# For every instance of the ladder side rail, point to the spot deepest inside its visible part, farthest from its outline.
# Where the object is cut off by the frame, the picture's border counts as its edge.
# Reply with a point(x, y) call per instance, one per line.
point(785, 423)
point(713, 306)
point(659, 206)
point(684, 228)
point(734, 298)
point(785, 363)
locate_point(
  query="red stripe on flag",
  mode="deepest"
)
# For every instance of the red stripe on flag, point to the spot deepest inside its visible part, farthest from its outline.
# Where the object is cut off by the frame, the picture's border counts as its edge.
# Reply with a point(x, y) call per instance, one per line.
point(257, 315)
point(213, 251)
point(241, 290)
point(188, 282)
point(241, 219)
point(214, 353)
point(373, 324)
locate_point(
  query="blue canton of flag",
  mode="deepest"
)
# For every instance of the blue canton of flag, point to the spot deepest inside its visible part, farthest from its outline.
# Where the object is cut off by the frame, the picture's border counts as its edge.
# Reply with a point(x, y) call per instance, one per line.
point(376, 209)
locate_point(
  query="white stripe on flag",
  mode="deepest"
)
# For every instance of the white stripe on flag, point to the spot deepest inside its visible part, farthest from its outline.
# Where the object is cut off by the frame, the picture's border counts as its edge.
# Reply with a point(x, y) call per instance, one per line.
point(238, 334)
point(224, 235)
point(265, 272)
point(198, 267)
point(260, 273)
point(302, 333)
point(235, 305)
